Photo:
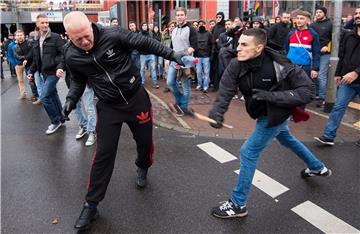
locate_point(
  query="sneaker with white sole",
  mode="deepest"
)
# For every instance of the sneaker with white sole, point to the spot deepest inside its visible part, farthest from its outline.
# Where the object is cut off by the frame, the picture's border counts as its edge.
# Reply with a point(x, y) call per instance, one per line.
point(53, 128)
point(81, 133)
point(324, 140)
point(229, 210)
point(198, 88)
point(310, 173)
point(91, 139)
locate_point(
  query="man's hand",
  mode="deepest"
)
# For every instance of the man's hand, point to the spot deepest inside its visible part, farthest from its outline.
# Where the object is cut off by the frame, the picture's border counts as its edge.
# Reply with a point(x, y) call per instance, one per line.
point(176, 57)
point(218, 118)
point(30, 77)
point(24, 63)
point(261, 95)
point(314, 74)
point(338, 80)
point(191, 51)
point(59, 73)
point(68, 107)
point(349, 77)
point(324, 49)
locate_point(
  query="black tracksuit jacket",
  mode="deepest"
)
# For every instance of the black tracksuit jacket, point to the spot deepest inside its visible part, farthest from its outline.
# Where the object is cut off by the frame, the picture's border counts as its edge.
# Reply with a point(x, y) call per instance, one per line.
point(324, 29)
point(292, 88)
point(108, 67)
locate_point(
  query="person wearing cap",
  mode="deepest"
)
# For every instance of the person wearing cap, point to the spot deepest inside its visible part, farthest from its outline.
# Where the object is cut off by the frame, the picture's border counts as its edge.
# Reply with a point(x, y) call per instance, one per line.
point(323, 27)
point(257, 22)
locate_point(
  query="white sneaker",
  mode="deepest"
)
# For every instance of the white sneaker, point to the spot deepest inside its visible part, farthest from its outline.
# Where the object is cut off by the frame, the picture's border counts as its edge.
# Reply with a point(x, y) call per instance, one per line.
point(81, 133)
point(53, 128)
point(91, 139)
point(198, 88)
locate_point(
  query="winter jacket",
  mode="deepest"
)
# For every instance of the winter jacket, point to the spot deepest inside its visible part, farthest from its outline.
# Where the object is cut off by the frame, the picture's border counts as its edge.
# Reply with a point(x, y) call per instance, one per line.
point(108, 67)
point(292, 88)
point(277, 35)
point(324, 30)
point(183, 37)
point(308, 52)
point(52, 55)
point(224, 41)
point(219, 27)
point(166, 37)
point(11, 54)
point(349, 55)
point(23, 52)
point(205, 44)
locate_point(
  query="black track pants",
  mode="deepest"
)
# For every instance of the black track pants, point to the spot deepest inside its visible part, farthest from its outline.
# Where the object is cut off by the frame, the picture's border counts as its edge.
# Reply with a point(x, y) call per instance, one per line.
point(138, 115)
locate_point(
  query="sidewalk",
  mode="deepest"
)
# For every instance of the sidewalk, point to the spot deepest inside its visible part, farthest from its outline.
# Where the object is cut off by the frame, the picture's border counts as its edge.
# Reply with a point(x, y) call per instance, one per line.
point(238, 118)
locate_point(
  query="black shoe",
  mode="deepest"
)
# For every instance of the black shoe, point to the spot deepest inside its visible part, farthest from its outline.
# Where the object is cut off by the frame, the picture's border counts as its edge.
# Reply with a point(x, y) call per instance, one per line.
point(320, 103)
point(87, 215)
point(166, 90)
point(324, 140)
point(141, 177)
point(309, 173)
point(229, 210)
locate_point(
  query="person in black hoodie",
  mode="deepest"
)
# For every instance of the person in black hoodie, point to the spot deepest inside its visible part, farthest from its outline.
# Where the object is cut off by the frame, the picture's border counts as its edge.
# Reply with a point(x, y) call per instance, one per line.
point(273, 87)
point(278, 32)
point(205, 49)
point(323, 27)
point(217, 30)
point(347, 78)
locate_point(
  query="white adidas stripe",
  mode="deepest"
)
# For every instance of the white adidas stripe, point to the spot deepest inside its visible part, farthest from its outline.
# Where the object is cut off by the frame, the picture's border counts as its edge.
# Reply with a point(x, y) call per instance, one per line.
point(266, 184)
point(217, 152)
point(322, 219)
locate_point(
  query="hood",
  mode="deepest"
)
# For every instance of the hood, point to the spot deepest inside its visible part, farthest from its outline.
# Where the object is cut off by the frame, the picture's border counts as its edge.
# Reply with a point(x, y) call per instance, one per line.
point(222, 22)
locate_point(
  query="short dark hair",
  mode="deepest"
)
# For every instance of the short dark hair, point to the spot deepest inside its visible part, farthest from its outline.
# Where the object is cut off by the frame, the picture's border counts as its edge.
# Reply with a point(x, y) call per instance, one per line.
point(132, 22)
point(258, 34)
point(112, 19)
point(304, 13)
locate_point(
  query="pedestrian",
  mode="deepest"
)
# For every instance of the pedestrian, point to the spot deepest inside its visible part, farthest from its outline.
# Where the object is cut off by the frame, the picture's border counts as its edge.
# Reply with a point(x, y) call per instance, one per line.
point(135, 55)
point(100, 56)
point(217, 30)
point(277, 34)
point(323, 27)
point(166, 40)
point(6, 45)
point(183, 38)
point(272, 87)
point(114, 21)
point(1, 59)
point(303, 46)
point(47, 60)
point(347, 78)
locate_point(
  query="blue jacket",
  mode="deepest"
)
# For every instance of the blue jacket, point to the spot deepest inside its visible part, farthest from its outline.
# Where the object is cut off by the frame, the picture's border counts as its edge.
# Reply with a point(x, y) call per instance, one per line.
point(11, 54)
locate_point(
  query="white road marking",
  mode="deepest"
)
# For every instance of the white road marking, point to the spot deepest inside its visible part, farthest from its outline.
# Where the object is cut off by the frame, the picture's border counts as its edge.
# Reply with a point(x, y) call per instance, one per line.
point(217, 152)
point(322, 219)
point(268, 185)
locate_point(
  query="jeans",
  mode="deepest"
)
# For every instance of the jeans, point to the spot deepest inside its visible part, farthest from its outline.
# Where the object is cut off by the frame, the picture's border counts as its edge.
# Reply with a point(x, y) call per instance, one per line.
point(87, 117)
point(182, 99)
point(251, 149)
point(160, 65)
point(144, 59)
point(323, 76)
point(203, 62)
point(39, 81)
point(50, 99)
point(344, 95)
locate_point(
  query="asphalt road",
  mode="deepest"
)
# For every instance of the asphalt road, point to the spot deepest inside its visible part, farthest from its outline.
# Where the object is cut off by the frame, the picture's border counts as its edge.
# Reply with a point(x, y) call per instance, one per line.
point(44, 177)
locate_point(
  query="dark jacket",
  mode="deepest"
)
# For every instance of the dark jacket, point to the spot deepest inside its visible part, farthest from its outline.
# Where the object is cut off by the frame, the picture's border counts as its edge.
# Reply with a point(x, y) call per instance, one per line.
point(225, 41)
point(292, 88)
point(52, 57)
point(277, 35)
point(205, 43)
point(108, 67)
point(236, 32)
point(219, 27)
point(349, 55)
point(23, 52)
point(324, 29)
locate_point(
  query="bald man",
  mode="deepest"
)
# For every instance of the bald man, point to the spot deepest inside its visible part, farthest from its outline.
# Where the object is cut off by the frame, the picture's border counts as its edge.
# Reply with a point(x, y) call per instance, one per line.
point(101, 57)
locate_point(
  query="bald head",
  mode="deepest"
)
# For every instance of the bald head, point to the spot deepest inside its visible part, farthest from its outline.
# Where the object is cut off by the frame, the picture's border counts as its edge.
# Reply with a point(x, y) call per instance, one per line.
point(79, 30)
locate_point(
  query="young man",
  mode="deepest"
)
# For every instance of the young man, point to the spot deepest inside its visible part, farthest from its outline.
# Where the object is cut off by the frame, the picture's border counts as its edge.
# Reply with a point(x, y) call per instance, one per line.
point(135, 55)
point(303, 47)
point(323, 27)
point(278, 32)
point(100, 56)
point(272, 87)
point(183, 38)
point(347, 78)
point(47, 60)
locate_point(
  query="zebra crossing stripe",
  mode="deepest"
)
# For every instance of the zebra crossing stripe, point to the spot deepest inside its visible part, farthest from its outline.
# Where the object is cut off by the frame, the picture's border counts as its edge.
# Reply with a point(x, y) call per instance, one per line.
point(322, 219)
point(217, 152)
point(266, 184)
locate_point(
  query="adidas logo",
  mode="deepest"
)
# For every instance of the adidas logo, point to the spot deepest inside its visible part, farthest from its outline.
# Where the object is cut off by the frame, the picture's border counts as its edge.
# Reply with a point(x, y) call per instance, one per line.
point(143, 117)
point(110, 53)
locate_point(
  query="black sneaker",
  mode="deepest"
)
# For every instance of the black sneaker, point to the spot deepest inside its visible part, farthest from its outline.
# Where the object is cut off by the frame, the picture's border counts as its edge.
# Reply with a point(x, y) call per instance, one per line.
point(229, 210)
point(324, 140)
point(87, 215)
point(309, 173)
point(141, 177)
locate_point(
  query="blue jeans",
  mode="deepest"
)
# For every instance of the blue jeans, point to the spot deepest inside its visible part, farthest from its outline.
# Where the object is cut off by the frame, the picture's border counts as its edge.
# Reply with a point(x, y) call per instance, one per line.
point(203, 62)
point(50, 99)
point(344, 95)
point(251, 149)
point(181, 99)
point(39, 81)
point(144, 59)
point(87, 117)
point(323, 76)
point(160, 65)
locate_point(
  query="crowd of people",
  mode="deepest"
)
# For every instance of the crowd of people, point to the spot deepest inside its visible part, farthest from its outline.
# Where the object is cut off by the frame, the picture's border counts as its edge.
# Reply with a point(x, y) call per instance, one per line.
point(278, 69)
